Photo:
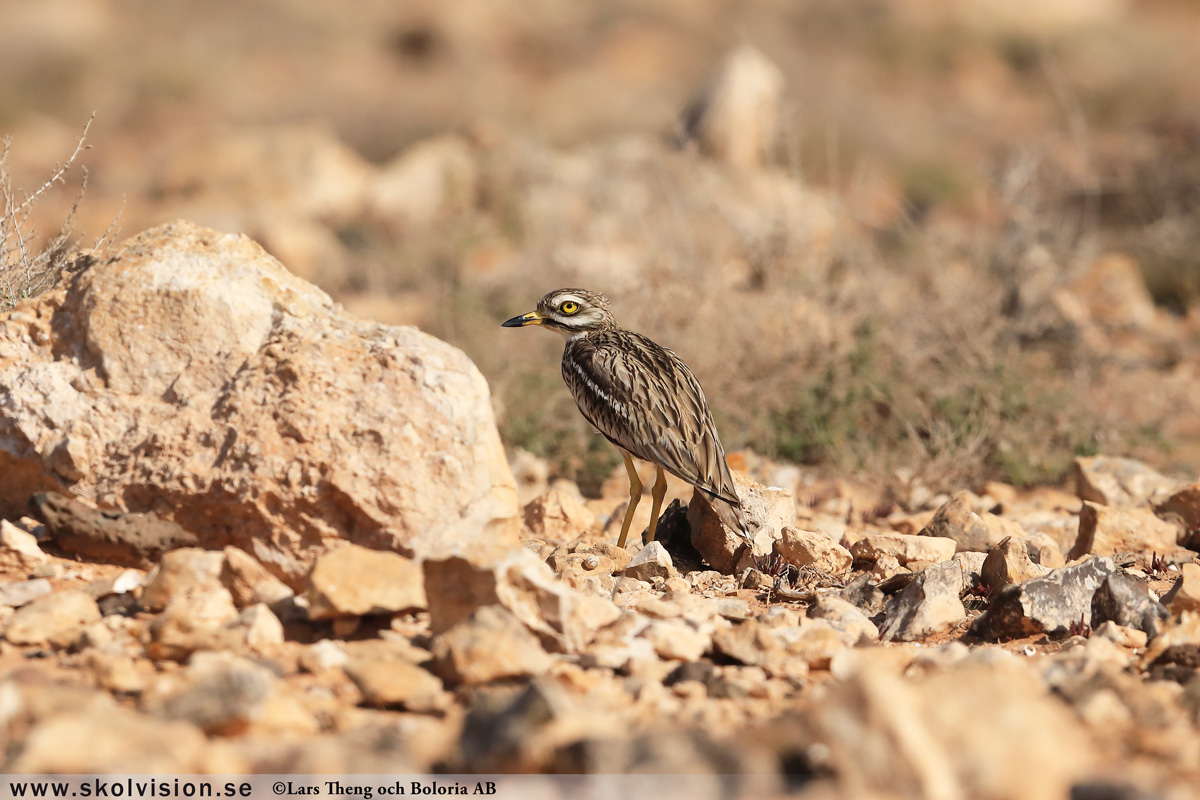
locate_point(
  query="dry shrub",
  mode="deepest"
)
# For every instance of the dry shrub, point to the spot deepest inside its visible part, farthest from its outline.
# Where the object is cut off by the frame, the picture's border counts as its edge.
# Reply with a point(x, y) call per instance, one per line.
point(31, 263)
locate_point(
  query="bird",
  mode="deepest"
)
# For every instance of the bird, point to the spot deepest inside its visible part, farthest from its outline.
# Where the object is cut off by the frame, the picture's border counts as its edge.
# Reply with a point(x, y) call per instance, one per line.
point(643, 398)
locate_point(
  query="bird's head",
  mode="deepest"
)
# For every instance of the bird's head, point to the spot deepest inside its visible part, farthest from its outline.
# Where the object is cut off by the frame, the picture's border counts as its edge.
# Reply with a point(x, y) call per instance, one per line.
point(571, 312)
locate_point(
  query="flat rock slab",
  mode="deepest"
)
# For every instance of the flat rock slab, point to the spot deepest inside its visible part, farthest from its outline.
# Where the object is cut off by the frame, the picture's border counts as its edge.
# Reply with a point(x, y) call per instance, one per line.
point(114, 537)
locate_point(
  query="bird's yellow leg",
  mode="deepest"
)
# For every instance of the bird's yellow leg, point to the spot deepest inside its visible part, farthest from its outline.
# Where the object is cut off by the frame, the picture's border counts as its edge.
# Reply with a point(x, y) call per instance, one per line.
point(656, 494)
point(635, 494)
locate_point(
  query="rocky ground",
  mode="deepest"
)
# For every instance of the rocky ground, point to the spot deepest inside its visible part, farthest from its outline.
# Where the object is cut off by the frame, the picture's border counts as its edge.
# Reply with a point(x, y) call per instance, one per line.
point(312, 556)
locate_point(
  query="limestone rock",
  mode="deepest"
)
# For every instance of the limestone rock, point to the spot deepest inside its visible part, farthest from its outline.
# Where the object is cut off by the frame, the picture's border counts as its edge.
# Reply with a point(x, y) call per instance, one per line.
point(1183, 508)
point(1104, 530)
point(652, 561)
point(1051, 604)
point(135, 540)
point(851, 623)
point(192, 621)
point(1128, 603)
point(56, 618)
point(17, 593)
point(1111, 481)
point(928, 605)
point(188, 570)
point(137, 383)
point(396, 684)
point(113, 739)
point(121, 583)
point(259, 627)
point(248, 582)
point(489, 645)
point(354, 581)
point(1185, 594)
point(221, 694)
point(750, 643)
point(1044, 550)
point(677, 639)
point(804, 548)
point(905, 548)
point(1007, 563)
point(767, 510)
point(525, 586)
point(737, 119)
point(19, 546)
point(972, 530)
point(558, 516)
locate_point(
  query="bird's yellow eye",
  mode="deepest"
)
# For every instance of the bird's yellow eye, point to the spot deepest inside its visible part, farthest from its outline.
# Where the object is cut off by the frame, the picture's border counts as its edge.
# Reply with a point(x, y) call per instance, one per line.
point(569, 307)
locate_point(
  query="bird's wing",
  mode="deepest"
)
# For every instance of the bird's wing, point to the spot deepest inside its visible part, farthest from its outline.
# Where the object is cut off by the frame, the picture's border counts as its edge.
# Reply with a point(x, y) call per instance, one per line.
point(643, 398)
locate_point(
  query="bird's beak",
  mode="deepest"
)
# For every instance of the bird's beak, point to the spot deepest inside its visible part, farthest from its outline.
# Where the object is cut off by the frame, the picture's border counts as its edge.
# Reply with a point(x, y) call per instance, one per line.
point(532, 318)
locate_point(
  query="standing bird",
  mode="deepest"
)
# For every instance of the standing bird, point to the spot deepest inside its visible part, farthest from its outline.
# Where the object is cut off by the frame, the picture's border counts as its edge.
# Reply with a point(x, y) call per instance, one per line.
point(642, 397)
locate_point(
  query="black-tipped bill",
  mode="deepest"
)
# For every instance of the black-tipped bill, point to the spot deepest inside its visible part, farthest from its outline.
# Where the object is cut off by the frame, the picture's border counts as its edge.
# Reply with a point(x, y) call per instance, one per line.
point(532, 318)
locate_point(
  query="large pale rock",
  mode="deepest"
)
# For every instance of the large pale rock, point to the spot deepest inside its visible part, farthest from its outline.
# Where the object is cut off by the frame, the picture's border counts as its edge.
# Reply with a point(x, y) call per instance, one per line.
point(192, 375)
point(1119, 481)
point(57, 618)
point(905, 548)
point(1104, 530)
point(809, 549)
point(767, 511)
point(973, 531)
point(353, 581)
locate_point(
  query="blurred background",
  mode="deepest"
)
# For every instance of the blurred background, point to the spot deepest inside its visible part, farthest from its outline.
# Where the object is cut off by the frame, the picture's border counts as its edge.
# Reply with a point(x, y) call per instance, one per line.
point(919, 243)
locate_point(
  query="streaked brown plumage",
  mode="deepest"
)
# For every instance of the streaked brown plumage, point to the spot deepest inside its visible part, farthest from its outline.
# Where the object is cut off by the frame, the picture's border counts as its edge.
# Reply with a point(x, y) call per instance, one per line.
point(641, 396)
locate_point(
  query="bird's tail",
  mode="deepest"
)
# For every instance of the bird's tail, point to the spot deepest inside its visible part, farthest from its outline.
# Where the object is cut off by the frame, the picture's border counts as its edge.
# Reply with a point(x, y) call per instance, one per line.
point(732, 517)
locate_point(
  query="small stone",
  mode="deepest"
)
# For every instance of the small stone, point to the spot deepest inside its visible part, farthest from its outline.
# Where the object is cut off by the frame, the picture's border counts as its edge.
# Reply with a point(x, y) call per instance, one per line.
point(249, 582)
point(1105, 531)
point(124, 581)
point(114, 672)
point(1008, 563)
point(1184, 595)
point(1051, 604)
point(971, 530)
point(489, 645)
point(223, 695)
point(850, 623)
point(750, 643)
point(1126, 637)
point(677, 639)
point(183, 571)
point(558, 516)
point(259, 627)
point(21, 545)
point(904, 548)
point(57, 617)
point(18, 593)
point(863, 594)
point(196, 620)
point(886, 567)
point(652, 561)
point(1128, 602)
point(1044, 550)
point(354, 581)
point(323, 655)
point(802, 548)
point(928, 605)
point(1183, 508)
point(1111, 481)
point(396, 684)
